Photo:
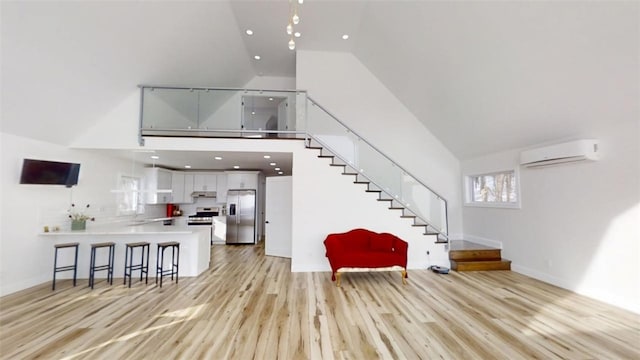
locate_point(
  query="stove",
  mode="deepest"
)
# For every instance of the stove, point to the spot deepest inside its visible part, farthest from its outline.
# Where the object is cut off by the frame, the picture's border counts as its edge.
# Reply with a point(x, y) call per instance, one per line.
point(203, 216)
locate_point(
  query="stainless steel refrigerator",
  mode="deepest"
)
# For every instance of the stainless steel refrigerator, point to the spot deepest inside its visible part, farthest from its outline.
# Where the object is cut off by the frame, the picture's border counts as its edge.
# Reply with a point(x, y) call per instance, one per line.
point(241, 217)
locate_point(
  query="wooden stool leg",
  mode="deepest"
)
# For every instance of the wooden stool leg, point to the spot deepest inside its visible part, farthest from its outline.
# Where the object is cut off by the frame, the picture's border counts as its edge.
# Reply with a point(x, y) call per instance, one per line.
point(338, 279)
point(404, 277)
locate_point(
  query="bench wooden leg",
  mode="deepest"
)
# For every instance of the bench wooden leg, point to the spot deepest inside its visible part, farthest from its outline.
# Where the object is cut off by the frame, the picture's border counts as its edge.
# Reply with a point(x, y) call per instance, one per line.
point(338, 279)
point(404, 277)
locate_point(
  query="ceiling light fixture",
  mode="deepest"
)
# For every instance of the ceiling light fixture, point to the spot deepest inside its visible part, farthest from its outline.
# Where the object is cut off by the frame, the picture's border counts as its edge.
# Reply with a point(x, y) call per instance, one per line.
point(277, 169)
point(272, 164)
point(187, 166)
point(155, 157)
point(345, 37)
point(249, 32)
point(218, 158)
point(280, 173)
point(267, 156)
point(257, 57)
point(270, 99)
point(294, 19)
point(236, 167)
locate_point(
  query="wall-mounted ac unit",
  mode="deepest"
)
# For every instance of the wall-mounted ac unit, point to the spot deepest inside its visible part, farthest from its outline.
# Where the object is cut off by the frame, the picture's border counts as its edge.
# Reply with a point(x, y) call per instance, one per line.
point(572, 151)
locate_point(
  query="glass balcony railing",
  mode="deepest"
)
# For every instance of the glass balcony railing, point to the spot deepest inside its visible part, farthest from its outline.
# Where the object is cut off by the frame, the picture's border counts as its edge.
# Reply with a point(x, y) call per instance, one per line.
point(172, 111)
point(212, 112)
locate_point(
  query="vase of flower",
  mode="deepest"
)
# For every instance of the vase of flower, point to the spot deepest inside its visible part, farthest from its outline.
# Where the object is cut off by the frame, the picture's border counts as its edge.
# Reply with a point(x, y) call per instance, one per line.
point(78, 224)
point(79, 218)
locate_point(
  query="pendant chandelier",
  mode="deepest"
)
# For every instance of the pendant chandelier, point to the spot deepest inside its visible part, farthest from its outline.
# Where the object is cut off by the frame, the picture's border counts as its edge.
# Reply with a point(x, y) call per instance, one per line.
point(294, 19)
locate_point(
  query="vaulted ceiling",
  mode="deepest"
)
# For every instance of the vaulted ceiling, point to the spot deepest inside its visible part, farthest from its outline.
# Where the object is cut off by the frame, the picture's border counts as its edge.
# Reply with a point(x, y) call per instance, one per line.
point(482, 76)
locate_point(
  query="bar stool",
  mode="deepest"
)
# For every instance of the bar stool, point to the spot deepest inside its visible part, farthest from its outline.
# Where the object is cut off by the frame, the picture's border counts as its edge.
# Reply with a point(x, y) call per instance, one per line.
point(174, 245)
point(57, 269)
point(109, 266)
point(129, 267)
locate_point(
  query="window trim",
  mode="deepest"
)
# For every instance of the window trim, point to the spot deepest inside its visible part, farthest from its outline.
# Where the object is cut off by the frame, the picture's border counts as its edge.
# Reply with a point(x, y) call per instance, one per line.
point(139, 205)
point(468, 191)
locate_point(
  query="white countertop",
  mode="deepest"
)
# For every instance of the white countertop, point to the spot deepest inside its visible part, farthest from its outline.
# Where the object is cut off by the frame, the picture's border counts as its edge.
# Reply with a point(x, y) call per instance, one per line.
point(152, 228)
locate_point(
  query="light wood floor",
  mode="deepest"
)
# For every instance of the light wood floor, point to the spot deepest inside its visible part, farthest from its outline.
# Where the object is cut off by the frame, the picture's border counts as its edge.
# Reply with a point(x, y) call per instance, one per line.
point(248, 306)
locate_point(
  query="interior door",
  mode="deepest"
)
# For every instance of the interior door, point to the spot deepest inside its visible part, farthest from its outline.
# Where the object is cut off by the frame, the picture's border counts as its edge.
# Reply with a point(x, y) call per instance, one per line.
point(278, 216)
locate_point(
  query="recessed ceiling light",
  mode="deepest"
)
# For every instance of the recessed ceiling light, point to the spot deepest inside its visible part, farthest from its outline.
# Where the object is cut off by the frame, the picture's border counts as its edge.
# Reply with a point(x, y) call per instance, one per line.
point(249, 32)
point(280, 173)
point(270, 99)
point(277, 169)
point(155, 157)
point(345, 37)
point(257, 57)
point(218, 158)
point(272, 164)
point(187, 166)
point(253, 113)
point(236, 167)
point(297, 34)
point(267, 156)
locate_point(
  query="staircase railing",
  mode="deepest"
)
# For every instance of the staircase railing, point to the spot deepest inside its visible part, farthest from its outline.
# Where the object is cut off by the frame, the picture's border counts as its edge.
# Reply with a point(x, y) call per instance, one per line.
point(377, 168)
point(219, 112)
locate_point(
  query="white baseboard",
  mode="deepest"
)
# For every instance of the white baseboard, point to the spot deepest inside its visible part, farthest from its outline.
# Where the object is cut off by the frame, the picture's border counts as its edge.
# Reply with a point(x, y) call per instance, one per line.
point(483, 241)
point(538, 275)
point(7, 289)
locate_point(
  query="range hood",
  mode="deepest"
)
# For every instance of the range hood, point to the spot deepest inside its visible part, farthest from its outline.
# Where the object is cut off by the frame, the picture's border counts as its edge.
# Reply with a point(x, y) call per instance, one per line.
point(203, 194)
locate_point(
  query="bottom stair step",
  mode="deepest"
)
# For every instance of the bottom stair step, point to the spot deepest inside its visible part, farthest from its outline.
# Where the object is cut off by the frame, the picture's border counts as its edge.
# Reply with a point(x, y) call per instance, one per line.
point(487, 265)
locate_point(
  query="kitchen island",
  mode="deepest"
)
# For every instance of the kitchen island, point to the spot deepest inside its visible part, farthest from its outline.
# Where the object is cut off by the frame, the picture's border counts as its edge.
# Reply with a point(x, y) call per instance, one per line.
point(194, 247)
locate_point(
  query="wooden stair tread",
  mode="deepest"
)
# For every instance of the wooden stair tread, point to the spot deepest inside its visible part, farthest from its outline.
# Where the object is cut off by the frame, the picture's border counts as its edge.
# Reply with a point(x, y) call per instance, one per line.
point(325, 156)
point(360, 182)
point(486, 265)
point(467, 245)
point(373, 191)
point(475, 255)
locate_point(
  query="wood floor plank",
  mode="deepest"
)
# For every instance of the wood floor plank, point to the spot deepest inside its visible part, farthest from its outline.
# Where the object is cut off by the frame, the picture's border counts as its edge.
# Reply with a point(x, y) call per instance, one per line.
point(249, 306)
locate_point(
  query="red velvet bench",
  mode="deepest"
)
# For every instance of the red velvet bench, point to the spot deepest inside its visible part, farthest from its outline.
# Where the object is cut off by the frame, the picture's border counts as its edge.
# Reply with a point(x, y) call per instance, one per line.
point(364, 250)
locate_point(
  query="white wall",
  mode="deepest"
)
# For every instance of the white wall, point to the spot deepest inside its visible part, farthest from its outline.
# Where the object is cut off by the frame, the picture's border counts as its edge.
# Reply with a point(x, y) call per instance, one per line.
point(341, 84)
point(25, 258)
point(323, 202)
point(271, 83)
point(579, 225)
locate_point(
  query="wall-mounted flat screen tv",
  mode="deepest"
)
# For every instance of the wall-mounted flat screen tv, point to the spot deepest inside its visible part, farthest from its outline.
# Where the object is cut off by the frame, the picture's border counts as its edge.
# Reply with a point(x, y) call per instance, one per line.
point(49, 172)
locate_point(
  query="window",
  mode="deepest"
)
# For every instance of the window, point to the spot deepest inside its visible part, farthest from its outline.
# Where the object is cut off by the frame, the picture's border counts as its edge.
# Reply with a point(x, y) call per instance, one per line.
point(499, 189)
point(130, 197)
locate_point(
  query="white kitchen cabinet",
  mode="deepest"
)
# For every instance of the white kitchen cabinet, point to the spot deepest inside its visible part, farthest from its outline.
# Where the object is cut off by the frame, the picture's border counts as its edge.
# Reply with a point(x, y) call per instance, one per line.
point(205, 182)
point(242, 179)
point(188, 188)
point(221, 188)
point(158, 188)
point(177, 185)
point(182, 185)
